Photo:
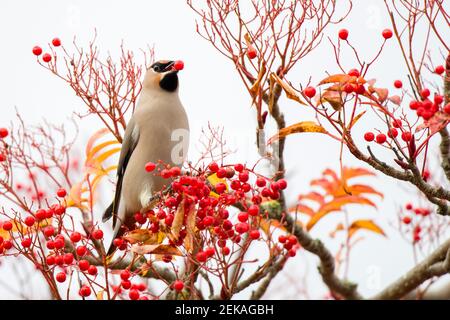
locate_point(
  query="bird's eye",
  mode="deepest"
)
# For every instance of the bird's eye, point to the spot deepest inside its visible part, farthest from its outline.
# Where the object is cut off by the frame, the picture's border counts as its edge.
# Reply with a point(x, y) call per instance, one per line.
point(157, 68)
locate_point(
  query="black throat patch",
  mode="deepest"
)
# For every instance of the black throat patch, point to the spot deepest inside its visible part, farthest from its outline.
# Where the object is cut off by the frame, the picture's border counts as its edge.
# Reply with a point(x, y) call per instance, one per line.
point(169, 82)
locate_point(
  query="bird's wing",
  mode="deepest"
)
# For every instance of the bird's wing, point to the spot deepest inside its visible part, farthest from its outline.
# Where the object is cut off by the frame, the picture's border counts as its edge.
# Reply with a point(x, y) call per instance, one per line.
point(129, 143)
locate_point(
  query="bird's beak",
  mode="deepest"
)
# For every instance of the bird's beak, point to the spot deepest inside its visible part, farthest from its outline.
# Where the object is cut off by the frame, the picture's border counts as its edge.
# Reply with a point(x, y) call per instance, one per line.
point(170, 67)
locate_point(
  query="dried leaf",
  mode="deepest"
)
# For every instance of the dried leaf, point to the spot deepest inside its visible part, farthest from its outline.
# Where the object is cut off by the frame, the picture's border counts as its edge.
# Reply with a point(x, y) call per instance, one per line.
point(334, 98)
point(355, 119)
point(337, 78)
point(178, 221)
point(138, 235)
point(156, 249)
point(288, 90)
point(256, 85)
point(302, 209)
point(190, 229)
point(304, 126)
point(395, 100)
point(364, 225)
point(435, 123)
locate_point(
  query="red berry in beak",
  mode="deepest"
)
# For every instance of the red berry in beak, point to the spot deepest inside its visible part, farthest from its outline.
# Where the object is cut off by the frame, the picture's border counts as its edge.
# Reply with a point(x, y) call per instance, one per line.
point(178, 65)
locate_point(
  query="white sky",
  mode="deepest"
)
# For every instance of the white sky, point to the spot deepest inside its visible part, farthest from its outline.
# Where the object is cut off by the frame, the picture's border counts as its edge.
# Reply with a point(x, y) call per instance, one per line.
point(211, 91)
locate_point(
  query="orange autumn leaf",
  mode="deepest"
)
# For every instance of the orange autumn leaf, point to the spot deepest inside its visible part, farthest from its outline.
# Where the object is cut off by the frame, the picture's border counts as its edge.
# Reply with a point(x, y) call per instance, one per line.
point(368, 225)
point(304, 126)
point(336, 205)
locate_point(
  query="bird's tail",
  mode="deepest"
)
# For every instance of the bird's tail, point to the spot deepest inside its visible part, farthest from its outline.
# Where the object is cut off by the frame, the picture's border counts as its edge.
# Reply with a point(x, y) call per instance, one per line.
point(108, 212)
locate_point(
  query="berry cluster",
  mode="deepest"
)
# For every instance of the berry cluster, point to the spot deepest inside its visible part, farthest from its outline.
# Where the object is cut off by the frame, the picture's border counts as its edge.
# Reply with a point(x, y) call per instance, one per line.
point(46, 57)
point(415, 217)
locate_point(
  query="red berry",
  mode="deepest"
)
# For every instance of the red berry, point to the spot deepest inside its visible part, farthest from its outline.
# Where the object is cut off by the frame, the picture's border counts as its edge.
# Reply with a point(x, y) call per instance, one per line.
point(68, 258)
point(239, 167)
point(37, 51)
point(7, 226)
point(85, 291)
point(29, 221)
point(150, 166)
point(175, 171)
point(439, 69)
point(178, 285)
point(447, 108)
point(251, 53)
point(81, 251)
point(354, 73)
point(387, 33)
point(243, 176)
point(406, 220)
point(213, 167)
point(381, 138)
point(241, 227)
point(26, 242)
point(75, 237)
point(360, 89)
point(310, 92)
point(409, 206)
point(97, 234)
point(414, 105)
point(134, 294)
point(210, 251)
point(425, 93)
point(243, 216)
point(282, 184)
point(7, 244)
point(438, 99)
point(59, 260)
point(406, 136)
point(292, 253)
point(92, 270)
point(61, 192)
point(398, 84)
point(2, 157)
point(369, 136)
point(255, 234)
point(126, 284)
point(56, 42)
point(226, 251)
point(50, 260)
point(178, 65)
point(261, 182)
point(125, 274)
point(282, 239)
point(221, 187)
point(60, 277)
point(393, 133)
point(3, 133)
point(83, 265)
point(343, 34)
point(201, 256)
point(349, 88)
point(49, 231)
point(46, 57)
point(117, 242)
point(253, 210)
point(397, 123)
point(59, 243)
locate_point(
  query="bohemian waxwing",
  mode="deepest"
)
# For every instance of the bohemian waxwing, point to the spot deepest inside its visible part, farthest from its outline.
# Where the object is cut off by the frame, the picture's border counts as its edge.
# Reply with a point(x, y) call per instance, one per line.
point(157, 131)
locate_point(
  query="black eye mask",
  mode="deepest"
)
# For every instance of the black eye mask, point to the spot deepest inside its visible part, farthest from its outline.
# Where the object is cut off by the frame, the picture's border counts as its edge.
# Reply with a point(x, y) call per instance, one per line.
point(162, 66)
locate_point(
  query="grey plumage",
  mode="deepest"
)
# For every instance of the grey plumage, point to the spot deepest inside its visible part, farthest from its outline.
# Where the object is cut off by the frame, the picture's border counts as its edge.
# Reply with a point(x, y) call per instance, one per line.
point(149, 136)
